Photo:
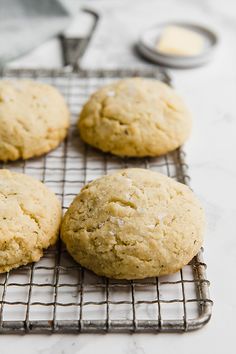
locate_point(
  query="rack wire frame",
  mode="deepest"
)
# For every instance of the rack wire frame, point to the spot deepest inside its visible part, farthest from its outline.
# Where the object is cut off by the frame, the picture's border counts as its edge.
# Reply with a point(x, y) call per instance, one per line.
point(54, 295)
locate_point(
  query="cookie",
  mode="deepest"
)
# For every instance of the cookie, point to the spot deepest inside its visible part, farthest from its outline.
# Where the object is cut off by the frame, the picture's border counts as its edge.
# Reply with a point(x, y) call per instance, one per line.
point(135, 117)
point(30, 216)
point(134, 224)
point(34, 119)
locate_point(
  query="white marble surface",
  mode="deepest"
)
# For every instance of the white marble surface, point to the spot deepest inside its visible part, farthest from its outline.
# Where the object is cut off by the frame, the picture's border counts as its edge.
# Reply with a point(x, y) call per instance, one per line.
point(210, 93)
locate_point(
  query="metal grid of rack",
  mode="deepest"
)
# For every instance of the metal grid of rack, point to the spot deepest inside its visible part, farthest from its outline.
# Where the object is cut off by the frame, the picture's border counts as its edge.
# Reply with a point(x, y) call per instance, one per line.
point(58, 295)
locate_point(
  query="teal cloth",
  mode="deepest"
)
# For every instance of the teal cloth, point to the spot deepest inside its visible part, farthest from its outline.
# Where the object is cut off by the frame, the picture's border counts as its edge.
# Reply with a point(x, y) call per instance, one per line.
point(25, 24)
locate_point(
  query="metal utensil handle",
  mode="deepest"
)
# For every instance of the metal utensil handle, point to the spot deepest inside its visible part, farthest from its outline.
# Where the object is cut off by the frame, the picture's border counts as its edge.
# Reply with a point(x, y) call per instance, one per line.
point(74, 48)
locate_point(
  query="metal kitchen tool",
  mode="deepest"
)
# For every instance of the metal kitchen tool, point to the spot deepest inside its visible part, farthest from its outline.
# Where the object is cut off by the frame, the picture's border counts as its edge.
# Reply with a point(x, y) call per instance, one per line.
point(73, 47)
point(57, 295)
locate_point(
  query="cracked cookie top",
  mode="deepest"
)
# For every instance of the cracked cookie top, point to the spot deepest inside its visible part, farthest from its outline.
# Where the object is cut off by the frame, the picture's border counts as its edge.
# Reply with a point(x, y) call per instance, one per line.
point(134, 224)
point(34, 119)
point(30, 216)
point(135, 117)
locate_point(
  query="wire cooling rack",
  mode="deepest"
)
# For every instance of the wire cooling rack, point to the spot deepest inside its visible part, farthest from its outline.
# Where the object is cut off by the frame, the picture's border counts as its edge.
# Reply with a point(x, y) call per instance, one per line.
point(58, 295)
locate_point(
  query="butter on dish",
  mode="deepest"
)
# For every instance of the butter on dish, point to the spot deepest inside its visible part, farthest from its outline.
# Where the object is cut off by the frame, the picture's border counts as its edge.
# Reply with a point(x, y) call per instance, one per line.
point(176, 40)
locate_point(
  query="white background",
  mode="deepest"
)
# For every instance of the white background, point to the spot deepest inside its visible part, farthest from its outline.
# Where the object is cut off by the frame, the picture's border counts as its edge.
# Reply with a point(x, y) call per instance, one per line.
point(210, 92)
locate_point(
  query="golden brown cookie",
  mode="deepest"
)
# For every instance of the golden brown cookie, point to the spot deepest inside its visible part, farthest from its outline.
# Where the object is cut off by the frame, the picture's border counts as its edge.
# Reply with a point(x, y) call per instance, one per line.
point(34, 119)
point(135, 117)
point(30, 216)
point(134, 224)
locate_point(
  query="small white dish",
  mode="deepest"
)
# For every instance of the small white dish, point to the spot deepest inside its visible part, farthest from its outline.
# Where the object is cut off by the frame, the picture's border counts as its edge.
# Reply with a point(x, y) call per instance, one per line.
point(149, 39)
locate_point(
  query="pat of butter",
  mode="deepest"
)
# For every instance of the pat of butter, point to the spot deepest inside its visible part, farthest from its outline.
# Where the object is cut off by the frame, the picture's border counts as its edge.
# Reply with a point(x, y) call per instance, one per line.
point(177, 40)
